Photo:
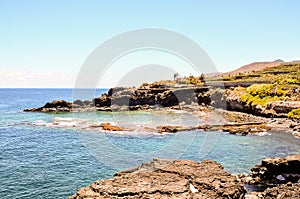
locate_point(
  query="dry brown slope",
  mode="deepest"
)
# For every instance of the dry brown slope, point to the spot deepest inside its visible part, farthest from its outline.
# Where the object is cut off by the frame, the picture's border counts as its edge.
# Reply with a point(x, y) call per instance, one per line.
point(255, 66)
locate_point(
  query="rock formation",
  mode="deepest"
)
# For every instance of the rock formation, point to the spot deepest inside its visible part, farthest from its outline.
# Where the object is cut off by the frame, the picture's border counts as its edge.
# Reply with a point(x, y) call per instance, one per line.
point(277, 170)
point(289, 190)
point(163, 178)
point(119, 99)
point(54, 106)
point(167, 179)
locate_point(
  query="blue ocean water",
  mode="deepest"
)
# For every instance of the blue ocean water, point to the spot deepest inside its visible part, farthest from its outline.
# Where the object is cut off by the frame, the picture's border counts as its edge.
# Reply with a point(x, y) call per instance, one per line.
point(48, 162)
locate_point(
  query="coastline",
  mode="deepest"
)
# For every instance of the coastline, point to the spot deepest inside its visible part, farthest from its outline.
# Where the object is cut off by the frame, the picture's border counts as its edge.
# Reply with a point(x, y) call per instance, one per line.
point(255, 108)
point(229, 112)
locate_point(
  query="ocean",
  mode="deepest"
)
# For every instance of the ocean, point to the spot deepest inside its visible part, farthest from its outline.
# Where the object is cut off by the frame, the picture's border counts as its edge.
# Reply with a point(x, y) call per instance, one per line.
point(42, 161)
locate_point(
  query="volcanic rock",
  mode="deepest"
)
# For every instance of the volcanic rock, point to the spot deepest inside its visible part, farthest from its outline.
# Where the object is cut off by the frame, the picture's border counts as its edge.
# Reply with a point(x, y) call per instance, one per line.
point(167, 179)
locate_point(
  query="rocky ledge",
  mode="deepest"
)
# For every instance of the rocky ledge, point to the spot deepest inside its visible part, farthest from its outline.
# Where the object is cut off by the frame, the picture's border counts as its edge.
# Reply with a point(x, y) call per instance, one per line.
point(276, 171)
point(161, 96)
point(162, 178)
point(121, 99)
point(167, 179)
point(281, 176)
point(289, 190)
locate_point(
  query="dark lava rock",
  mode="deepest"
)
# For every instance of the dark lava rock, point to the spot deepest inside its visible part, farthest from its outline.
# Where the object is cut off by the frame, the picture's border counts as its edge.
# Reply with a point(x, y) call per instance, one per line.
point(167, 179)
point(287, 191)
point(277, 170)
point(78, 103)
point(58, 104)
point(54, 106)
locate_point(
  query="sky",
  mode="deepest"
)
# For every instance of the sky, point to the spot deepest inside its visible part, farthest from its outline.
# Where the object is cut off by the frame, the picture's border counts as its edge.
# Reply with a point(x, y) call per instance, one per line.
point(45, 43)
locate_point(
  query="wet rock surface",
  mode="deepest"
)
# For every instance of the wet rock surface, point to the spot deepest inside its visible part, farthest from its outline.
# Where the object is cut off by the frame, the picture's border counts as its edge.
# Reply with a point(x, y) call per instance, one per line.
point(167, 179)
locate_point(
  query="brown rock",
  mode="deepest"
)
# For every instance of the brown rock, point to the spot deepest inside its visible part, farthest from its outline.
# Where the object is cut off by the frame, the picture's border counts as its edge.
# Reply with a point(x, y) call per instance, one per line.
point(290, 190)
point(168, 129)
point(167, 179)
point(109, 127)
point(277, 170)
point(283, 106)
point(54, 106)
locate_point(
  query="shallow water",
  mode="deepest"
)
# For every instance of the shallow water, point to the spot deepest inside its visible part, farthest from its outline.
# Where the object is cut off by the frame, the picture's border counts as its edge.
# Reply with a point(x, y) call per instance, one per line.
point(51, 162)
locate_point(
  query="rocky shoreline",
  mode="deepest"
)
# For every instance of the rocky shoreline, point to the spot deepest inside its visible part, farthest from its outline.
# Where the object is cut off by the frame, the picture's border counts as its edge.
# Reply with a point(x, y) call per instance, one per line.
point(193, 99)
point(162, 178)
point(162, 96)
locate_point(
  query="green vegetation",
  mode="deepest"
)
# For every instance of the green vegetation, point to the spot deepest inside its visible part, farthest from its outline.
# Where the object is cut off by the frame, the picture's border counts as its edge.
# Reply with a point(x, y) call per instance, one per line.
point(294, 114)
point(268, 85)
point(264, 93)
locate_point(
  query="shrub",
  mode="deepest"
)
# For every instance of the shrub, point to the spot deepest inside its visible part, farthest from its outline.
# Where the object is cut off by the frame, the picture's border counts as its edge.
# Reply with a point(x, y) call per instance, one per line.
point(295, 114)
point(262, 94)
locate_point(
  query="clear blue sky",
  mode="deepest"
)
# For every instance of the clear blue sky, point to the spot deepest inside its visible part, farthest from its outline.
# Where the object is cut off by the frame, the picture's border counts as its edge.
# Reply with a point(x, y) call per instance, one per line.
point(53, 38)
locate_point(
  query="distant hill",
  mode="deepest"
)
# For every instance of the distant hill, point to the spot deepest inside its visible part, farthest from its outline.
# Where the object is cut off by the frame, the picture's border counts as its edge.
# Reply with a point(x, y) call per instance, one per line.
point(255, 66)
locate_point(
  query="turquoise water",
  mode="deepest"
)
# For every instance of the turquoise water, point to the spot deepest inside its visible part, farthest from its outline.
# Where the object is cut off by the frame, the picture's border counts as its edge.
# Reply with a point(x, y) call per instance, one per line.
point(49, 162)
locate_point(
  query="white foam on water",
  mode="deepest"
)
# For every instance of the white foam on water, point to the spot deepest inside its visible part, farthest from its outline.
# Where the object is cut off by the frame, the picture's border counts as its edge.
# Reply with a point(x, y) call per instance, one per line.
point(264, 133)
point(63, 119)
point(40, 123)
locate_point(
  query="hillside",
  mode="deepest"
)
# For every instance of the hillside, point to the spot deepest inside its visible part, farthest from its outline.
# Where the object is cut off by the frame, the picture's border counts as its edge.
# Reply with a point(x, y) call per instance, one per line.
point(255, 66)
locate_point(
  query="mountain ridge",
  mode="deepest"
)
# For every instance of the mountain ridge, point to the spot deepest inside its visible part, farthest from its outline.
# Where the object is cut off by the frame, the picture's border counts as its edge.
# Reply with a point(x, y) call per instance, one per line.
point(256, 66)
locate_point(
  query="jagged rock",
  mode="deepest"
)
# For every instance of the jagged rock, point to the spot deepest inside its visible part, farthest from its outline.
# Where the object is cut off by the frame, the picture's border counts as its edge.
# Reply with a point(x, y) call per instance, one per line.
point(58, 104)
point(54, 106)
point(136, 98)
point(167, 179)
point(277, 170)
point(103, 101)
point(289, 190)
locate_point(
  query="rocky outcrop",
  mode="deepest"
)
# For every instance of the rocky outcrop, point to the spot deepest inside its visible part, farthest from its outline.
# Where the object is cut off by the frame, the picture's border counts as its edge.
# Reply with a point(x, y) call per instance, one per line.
point(238, 128)
point(120, 99)
point(54, 106)
point(283, 106)
point(276, 170)
point(272, 109)
point(107, 127)
point(160, 96)
point(289, 190)
point(167, 179)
